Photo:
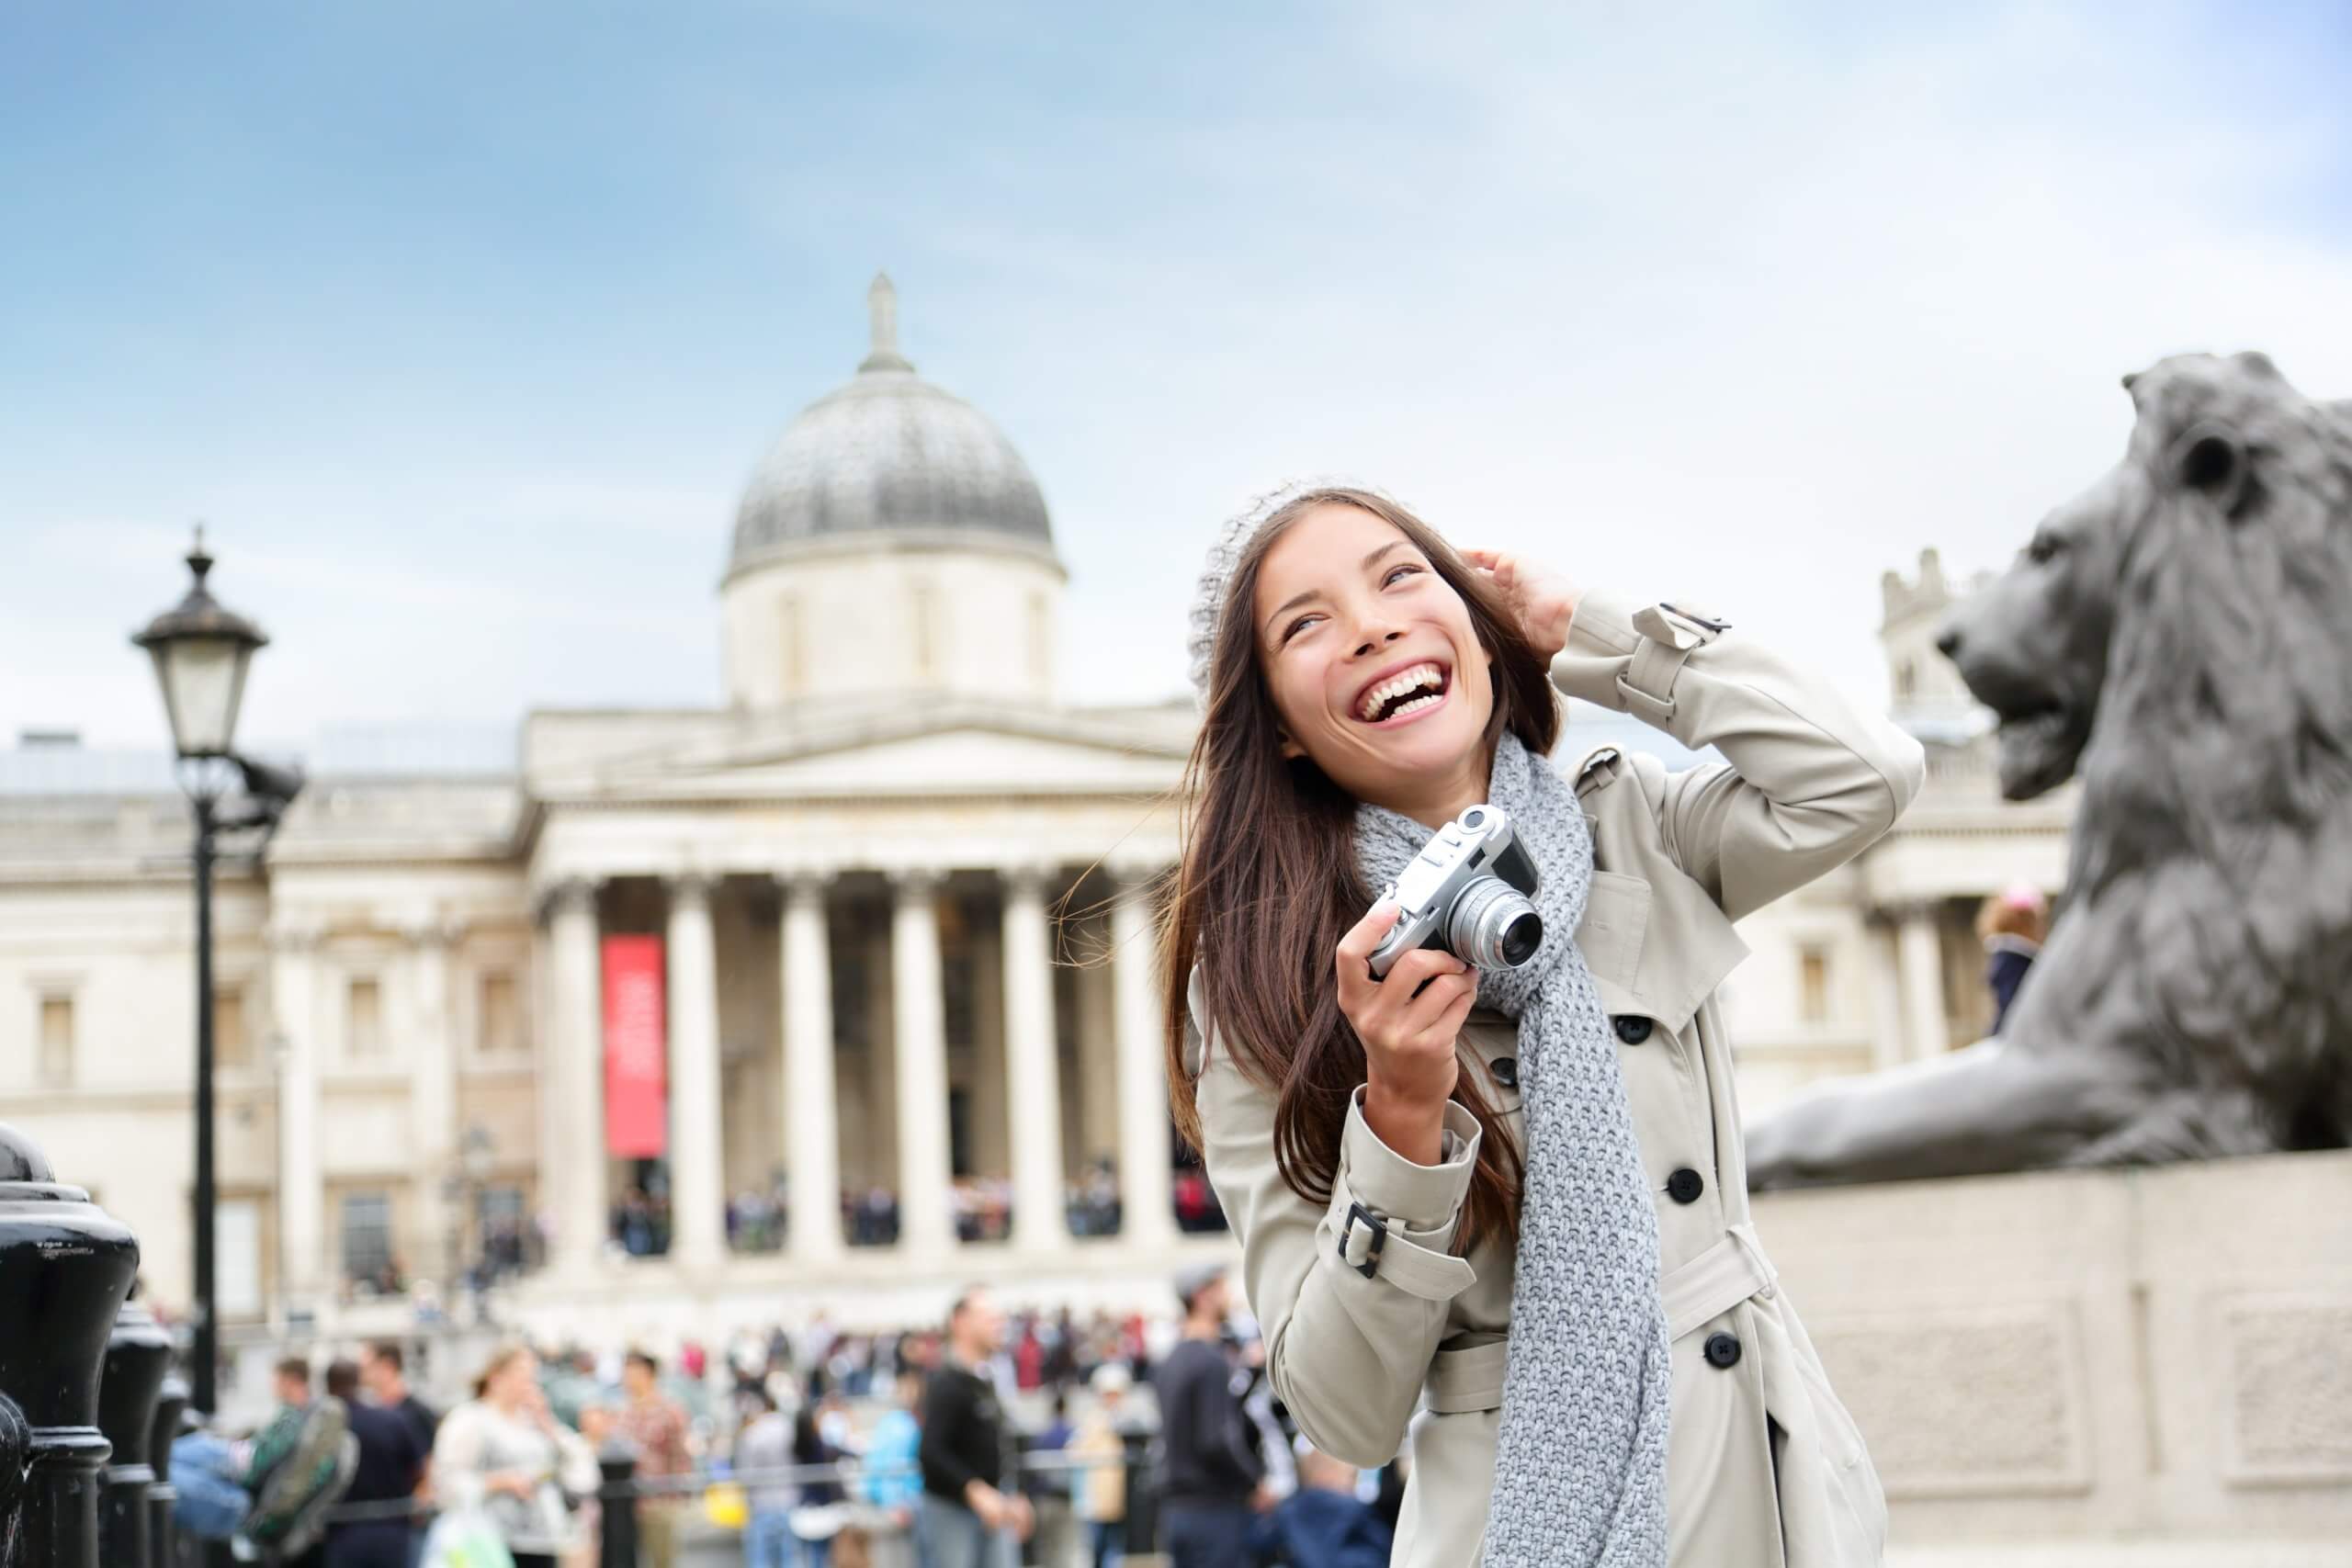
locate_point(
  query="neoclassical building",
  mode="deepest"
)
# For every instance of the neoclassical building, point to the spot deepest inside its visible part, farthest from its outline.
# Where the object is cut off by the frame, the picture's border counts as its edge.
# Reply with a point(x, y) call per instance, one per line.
point(837, 993)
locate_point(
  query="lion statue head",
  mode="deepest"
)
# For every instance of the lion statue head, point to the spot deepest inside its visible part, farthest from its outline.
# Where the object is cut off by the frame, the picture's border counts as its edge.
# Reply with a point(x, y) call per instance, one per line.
point(2220, 546)
point(2179, 635)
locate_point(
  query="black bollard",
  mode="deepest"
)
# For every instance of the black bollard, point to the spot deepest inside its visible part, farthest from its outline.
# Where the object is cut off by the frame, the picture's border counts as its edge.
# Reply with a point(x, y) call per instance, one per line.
point(65, 1267)
point(163, 1535)
point(137, 1355)
point(619, 1494)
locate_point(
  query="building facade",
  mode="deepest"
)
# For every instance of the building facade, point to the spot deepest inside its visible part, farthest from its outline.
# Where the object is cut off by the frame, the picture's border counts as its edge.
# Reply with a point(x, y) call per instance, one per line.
point(839, 993)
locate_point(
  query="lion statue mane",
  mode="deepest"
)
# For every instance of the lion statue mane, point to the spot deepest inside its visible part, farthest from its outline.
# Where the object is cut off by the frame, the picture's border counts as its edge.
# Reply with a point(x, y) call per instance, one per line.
point(2180, 635)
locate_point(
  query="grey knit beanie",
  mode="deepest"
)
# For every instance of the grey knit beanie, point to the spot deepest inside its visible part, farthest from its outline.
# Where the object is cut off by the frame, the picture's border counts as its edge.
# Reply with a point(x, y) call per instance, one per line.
point(1233, 538)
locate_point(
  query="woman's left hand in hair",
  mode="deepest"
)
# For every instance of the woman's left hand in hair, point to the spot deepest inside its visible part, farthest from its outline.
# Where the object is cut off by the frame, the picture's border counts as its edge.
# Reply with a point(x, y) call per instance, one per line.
point(1544, 602)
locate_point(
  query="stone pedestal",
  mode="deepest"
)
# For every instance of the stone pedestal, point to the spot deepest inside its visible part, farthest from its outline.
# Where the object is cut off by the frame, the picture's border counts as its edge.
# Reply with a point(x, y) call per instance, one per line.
point(2072, 1362)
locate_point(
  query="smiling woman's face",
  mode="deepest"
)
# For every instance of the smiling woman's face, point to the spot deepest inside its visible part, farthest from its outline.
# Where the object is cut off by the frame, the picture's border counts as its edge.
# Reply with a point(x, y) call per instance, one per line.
point(1366, 650)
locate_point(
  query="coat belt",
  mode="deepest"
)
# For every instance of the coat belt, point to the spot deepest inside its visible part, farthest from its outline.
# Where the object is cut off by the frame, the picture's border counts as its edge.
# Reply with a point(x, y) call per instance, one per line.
point(1466, 1378)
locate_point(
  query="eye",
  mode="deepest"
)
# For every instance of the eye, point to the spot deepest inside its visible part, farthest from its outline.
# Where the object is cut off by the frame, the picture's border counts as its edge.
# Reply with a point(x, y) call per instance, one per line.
point(1295, 627)
point(2045, 547)
point(1403, 568)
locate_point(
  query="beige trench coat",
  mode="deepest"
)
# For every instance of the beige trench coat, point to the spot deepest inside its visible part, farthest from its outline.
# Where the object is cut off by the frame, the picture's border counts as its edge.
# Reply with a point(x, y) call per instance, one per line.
point(1765, 1468)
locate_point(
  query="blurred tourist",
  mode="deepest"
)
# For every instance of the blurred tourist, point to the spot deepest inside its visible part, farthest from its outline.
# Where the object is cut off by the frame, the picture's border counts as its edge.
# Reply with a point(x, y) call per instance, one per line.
point(1324, 1524)
point(970, 1518)
point(1099, 1491)
point(820, 1516)
point(504, 1461)
point(894, 1463)
point(761, 1453)
point(1047, 1483)
point(1215, 1476)
point(391, 1462)
point(2013, 925)
point(656, 1424)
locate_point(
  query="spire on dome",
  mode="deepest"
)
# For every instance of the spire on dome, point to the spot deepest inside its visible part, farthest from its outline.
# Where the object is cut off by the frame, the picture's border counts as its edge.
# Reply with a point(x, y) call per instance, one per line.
point(882, 304)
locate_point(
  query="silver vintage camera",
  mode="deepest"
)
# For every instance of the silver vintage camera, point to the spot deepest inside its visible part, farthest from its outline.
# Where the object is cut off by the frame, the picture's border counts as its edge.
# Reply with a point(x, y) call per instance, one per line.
point(1466, 892)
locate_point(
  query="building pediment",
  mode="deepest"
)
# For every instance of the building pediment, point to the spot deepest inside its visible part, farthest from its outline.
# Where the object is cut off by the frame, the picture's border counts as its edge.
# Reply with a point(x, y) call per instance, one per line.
point(947, 749)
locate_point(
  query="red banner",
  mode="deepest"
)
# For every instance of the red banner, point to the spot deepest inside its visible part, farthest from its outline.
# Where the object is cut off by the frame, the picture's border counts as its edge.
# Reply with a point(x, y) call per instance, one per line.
point(637, 1110)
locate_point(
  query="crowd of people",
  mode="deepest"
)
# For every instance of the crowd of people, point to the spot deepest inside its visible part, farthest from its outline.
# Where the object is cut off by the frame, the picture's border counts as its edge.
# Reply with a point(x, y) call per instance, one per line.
point(992, 1440)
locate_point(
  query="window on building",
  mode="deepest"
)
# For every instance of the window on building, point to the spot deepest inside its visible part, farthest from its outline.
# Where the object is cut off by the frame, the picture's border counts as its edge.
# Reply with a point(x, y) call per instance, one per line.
point(959, 998)
point(852, 994)
point(502, 1018)
point(959, 1132)
point(232, 1046)
point(1906, 680)
point(56, 1041)
point(1813, 982)
point(367, 1237)
point(362, 1018)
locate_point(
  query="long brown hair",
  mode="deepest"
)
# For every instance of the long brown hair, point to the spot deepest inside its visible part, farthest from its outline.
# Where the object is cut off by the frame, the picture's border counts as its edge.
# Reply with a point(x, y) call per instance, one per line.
point(1267, 884)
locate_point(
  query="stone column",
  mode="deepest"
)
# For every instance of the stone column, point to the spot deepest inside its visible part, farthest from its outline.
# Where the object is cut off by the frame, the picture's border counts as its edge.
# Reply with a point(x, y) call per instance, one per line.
point(1921, 960)
point(919, 1010)
point(433, 1088)
point(1887, 1046)
point(301, 1183)
point(1147, 1215)
point(571, 1082)
point(697, 1181)
point(811, 1135)
point(1032, 1065)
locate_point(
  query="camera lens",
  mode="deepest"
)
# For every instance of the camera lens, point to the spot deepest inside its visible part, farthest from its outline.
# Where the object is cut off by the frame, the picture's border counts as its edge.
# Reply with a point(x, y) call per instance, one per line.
point(1493, 925)
point(1521, 938)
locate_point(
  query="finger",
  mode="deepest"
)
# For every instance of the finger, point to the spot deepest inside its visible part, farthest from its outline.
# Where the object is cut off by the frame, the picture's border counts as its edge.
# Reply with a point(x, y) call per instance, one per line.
point(1447, 1027)
point(1423, 963)
point(1366, 934)
point(1441, 997)
point(1351, 963)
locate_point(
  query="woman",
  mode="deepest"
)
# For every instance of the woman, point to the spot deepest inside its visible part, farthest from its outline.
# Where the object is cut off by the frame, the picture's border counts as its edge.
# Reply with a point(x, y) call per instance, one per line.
point(502, 1457)
point(2013, 927)
point(1515, 1197)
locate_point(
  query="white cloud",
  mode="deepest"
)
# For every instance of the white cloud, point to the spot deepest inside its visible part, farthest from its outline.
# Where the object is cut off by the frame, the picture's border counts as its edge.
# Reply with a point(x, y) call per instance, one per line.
point(1710, 304)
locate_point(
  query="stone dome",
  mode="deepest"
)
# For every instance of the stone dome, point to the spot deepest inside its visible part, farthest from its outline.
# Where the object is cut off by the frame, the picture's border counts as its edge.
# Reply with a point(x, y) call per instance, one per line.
point(887, 454)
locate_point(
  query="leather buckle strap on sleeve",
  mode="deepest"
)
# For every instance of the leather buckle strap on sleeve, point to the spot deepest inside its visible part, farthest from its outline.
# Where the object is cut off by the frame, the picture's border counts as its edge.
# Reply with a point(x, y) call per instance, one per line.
point(1360, 1249)
point(1379, 1246)
point(1667, 638)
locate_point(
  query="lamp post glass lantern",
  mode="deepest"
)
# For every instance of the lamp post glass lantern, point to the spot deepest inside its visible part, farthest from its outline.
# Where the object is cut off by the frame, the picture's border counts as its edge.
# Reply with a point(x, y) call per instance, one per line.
point(201, 650)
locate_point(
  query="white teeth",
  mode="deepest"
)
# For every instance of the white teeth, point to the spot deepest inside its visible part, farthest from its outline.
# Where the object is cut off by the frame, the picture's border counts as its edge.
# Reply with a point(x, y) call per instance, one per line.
point(1396, 686)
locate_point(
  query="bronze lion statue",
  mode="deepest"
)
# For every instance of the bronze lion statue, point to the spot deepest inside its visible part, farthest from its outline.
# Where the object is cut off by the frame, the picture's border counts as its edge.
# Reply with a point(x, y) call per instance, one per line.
point(2180, 636)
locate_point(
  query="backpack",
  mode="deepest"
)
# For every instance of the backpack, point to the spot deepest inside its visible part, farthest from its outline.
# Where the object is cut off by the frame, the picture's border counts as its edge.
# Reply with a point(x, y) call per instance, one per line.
point(290, 1507)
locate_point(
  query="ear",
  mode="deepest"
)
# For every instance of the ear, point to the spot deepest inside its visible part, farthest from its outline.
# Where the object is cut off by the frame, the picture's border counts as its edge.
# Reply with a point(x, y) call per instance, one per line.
point(2212, 461)
point(1292, 750)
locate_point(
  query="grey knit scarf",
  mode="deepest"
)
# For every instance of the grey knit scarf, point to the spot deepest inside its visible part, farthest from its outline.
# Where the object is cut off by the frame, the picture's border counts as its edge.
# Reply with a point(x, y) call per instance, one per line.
point(1580, 1467)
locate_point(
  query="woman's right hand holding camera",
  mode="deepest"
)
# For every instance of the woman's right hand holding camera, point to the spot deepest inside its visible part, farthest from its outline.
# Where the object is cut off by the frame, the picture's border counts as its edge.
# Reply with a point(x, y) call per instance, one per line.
point(1408, 1023)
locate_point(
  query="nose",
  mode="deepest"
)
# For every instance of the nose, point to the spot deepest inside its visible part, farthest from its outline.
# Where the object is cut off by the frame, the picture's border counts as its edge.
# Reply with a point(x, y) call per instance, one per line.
point(1374, 633)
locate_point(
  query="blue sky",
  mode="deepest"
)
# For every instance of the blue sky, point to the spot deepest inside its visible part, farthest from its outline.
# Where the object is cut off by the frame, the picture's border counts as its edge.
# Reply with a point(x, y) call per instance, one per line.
point(463, 324)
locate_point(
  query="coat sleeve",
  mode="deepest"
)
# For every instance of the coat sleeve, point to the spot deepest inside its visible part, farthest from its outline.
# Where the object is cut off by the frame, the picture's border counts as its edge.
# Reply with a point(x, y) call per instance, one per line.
point(460, 1462)
point(1352, 1296)
point(1808, 783)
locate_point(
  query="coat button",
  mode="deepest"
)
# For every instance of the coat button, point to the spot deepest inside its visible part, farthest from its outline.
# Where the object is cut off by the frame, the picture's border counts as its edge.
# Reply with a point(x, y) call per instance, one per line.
point(1505, 1070)
point(1632, 1029)
point(1685, 1185)
point(1722, 1350)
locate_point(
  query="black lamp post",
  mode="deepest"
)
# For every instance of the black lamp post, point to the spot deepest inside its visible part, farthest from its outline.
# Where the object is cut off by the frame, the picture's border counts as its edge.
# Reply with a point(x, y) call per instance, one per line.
point(201, 650)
